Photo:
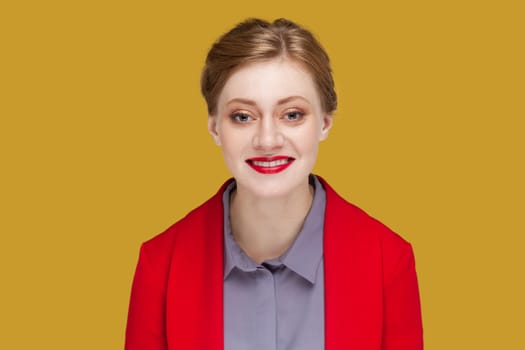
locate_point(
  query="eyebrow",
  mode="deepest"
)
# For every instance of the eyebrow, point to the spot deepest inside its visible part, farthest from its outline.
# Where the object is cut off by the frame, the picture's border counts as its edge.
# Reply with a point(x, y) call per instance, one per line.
point(254, 104)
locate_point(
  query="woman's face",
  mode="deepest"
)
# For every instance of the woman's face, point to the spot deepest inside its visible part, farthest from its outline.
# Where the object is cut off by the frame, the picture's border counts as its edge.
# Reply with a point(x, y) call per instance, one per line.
point(269, 122)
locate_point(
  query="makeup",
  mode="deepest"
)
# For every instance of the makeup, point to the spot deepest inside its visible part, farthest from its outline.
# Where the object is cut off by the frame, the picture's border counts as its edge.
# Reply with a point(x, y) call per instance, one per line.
point(270, 165)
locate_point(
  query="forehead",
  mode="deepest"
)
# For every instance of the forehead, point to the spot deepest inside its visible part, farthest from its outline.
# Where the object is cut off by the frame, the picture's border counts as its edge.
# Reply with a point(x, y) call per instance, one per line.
point(269, 81)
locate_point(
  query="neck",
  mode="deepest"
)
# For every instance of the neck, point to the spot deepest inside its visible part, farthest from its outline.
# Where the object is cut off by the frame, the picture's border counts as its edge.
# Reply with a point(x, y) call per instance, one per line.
point(266, 227)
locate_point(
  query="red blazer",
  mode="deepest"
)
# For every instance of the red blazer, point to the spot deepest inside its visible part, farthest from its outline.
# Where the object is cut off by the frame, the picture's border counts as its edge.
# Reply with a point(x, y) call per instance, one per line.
point(371, 291)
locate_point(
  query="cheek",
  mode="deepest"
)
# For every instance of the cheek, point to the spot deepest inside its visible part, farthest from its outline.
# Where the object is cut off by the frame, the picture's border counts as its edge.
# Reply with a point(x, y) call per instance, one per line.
point(232, 143)
point(308, 140)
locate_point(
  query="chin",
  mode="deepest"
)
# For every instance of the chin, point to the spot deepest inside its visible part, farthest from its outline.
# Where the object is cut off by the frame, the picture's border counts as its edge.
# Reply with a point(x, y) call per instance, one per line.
point(272, 186)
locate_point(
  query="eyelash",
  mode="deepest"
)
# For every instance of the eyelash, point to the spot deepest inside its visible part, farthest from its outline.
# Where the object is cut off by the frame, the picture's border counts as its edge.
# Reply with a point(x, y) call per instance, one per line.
point(298, 114)
point(236, 117)
point(242, 118)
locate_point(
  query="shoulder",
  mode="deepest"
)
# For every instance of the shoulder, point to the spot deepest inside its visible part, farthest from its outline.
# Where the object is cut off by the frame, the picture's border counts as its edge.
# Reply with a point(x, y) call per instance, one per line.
point(355, 230)
point(370, 271)
point(193, 223)
point(344, 214)
point(370, 228)
point(190, 221)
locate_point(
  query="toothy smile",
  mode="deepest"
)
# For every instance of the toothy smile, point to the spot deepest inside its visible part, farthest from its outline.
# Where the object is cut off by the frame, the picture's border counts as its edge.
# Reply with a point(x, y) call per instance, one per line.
point(270, 165)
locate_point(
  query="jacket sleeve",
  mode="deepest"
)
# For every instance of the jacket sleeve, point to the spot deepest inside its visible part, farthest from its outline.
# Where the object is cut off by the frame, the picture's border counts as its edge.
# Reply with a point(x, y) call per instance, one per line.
point(146, 328)
point(402, 311)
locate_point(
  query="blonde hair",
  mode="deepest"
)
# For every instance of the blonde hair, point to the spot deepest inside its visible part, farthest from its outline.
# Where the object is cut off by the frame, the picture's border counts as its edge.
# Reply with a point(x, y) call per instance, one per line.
point(256, 40)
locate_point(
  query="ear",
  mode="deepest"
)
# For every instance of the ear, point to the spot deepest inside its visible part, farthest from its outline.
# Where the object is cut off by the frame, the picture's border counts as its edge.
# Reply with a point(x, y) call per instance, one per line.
point(327, 125)
point(213, 129)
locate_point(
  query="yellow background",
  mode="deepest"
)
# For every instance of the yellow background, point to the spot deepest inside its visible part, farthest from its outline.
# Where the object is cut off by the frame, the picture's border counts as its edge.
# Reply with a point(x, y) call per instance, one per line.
point(104, 144)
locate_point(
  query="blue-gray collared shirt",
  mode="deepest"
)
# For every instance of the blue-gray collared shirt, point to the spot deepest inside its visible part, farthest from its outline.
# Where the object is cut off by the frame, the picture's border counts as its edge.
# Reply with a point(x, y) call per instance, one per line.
point(278, 304)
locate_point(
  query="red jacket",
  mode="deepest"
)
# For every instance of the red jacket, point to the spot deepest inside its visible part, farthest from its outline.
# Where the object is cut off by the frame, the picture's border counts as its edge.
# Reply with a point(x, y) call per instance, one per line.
point(371, 291)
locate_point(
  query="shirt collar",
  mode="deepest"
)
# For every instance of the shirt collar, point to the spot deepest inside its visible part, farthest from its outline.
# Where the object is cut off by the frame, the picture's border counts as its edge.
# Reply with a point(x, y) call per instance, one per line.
point(306, 252)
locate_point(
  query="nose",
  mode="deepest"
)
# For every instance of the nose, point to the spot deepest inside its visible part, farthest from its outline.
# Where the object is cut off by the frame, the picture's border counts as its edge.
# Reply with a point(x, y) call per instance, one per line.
point(268, 136)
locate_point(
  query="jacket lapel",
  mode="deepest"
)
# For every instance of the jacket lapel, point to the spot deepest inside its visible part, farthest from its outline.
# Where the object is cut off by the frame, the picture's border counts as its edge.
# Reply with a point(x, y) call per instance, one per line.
point(353, 301)
point(195, 303)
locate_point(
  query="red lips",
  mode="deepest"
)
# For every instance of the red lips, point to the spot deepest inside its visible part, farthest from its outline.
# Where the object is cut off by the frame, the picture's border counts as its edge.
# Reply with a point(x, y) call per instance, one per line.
point(270, 165)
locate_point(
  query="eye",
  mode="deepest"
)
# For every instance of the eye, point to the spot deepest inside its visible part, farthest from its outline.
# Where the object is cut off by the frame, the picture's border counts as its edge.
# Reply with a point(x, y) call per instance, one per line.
point(293, 115)
point(241, 117)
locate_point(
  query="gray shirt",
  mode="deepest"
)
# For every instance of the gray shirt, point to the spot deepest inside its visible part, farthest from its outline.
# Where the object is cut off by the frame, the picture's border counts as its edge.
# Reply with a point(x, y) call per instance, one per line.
point(278, 304)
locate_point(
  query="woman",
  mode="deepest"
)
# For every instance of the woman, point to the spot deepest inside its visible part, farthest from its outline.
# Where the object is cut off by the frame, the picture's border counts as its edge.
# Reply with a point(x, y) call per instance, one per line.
point(276, 259)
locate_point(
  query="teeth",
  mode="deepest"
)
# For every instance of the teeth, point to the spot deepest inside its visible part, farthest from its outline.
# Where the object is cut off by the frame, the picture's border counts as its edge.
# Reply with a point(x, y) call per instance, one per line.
point(270, 164)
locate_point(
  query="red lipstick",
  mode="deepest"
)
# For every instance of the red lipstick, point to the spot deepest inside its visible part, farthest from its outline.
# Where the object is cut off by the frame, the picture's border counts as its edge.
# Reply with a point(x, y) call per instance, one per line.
point(270, 165)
